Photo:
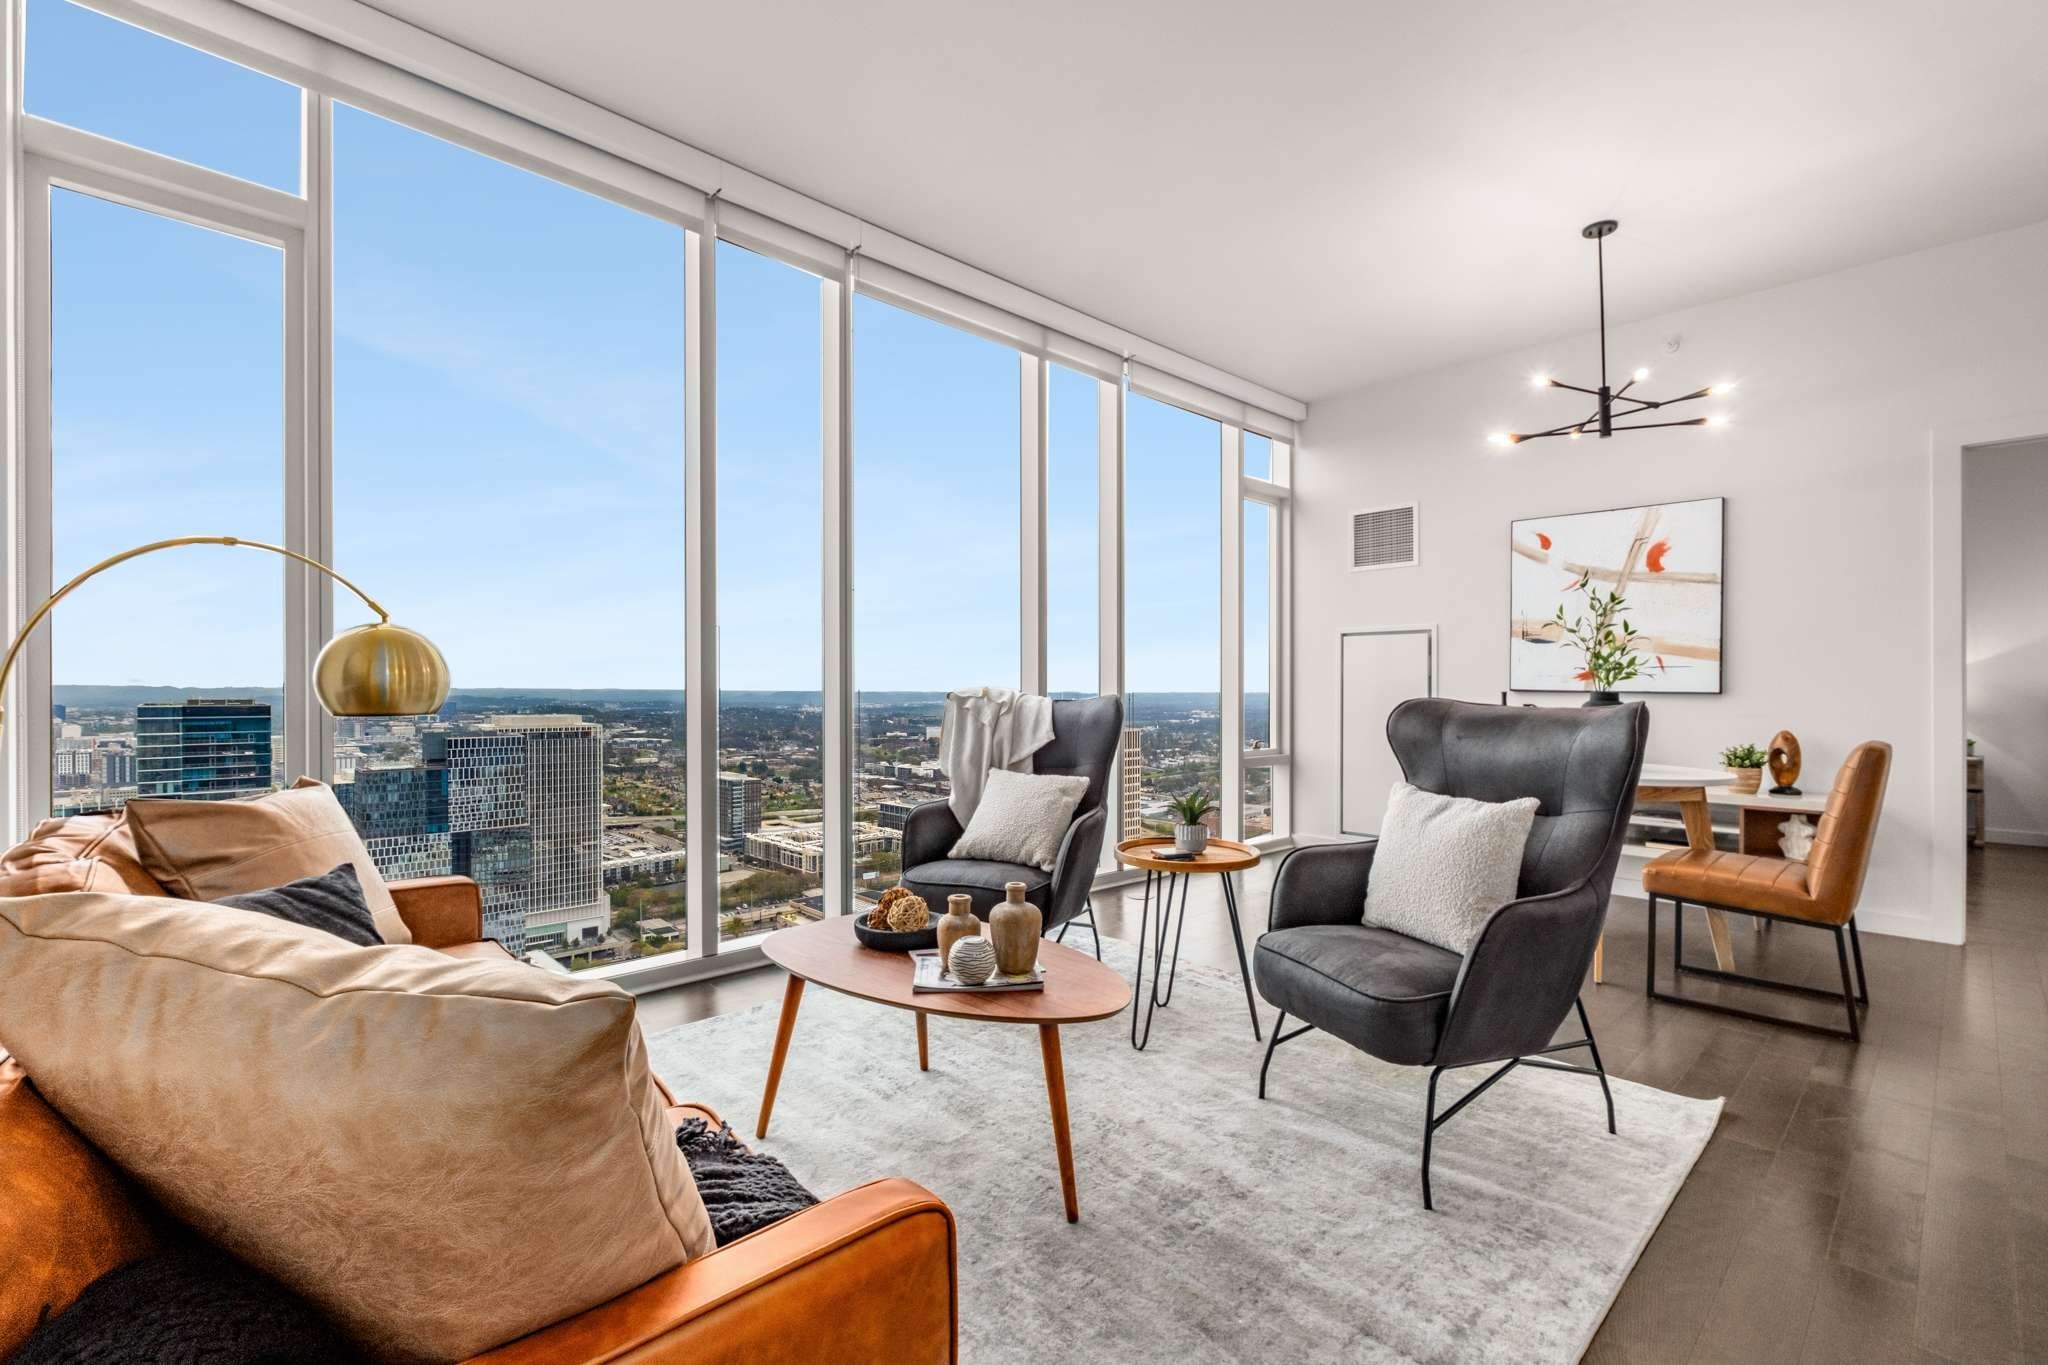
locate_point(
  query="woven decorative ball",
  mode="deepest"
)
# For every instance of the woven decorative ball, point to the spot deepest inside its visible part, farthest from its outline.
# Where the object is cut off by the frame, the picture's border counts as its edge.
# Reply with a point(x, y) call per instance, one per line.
point(878, 918)
point(972, 960)
point(909, 913)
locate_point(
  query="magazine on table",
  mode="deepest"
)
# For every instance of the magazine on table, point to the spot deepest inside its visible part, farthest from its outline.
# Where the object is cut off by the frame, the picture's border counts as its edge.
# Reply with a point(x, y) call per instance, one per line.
point(929, 974)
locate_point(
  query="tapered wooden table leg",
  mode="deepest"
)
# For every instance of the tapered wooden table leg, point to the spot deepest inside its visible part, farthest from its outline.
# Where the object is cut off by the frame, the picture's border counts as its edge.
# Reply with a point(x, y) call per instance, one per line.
point(792, 996)
point(1062, 1139)
point(1699, 833)
point(924, 1047)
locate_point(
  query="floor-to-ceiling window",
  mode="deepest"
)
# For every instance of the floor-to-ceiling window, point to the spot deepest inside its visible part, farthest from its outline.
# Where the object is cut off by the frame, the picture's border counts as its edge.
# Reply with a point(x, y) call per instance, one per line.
point(453, 367)
point(166, 418)
point(1172, 639)
point(771, 778)
point(935, 578)
point(509, 380)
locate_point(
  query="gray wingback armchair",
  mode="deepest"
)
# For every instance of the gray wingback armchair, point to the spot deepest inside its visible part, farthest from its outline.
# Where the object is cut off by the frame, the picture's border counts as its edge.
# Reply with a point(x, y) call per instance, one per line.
point(1413, 1003)
point(1085, 737)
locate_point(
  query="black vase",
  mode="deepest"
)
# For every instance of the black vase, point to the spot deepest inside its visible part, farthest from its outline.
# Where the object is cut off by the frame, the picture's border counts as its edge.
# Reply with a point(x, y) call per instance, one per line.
point(1603, 699)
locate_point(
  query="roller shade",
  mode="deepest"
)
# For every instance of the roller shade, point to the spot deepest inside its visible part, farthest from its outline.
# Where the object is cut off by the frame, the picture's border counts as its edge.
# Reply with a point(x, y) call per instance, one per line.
point(1199, 398)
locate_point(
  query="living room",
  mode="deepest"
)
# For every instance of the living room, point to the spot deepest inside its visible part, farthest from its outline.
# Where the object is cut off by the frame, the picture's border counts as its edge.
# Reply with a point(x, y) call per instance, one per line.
point(1452, 644)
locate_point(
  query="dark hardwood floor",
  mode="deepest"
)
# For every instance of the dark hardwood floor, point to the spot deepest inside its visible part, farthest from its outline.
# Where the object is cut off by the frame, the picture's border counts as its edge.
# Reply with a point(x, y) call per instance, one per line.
point(1873, 1203)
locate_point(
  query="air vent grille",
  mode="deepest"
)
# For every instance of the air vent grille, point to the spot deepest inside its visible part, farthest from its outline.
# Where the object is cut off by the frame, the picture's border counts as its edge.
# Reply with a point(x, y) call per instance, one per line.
point(1383, 537)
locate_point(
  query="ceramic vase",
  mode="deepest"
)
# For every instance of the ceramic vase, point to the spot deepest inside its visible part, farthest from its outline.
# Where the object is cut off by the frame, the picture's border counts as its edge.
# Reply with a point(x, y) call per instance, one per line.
point(957, 923)
point(971, 961)
point(1602, 699)
point(1014, 926)
point(1190, 838)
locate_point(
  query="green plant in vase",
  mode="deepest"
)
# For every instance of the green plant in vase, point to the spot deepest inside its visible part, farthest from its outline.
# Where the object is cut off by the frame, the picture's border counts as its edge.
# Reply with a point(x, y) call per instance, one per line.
point(1605, 640)
point(1746, 761)
point(1189, 809)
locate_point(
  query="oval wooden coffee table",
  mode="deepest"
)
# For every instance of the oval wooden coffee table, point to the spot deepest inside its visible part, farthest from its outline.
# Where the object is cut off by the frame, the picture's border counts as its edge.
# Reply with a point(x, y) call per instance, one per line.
point(1078, 990)
point(1226, 858)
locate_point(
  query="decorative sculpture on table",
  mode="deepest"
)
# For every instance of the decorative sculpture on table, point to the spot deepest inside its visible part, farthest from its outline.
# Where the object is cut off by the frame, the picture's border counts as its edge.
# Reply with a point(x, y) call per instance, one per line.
point(1785, 764)
point(972, 960)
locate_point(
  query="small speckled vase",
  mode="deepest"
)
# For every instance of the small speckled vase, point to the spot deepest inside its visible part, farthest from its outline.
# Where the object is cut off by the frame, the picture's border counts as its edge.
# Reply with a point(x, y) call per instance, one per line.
point(1015, 926)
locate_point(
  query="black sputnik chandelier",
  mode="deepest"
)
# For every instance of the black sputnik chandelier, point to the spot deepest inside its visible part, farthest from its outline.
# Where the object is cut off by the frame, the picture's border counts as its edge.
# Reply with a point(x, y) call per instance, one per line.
point(1613, 403)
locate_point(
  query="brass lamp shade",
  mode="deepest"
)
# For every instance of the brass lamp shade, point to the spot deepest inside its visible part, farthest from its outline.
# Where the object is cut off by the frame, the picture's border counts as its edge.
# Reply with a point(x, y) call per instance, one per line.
point(381, 670)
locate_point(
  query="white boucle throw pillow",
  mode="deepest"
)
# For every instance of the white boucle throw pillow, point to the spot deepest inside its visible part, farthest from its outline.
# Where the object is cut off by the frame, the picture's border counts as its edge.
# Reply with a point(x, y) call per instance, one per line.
point(1022, 818)
point(1445, 863)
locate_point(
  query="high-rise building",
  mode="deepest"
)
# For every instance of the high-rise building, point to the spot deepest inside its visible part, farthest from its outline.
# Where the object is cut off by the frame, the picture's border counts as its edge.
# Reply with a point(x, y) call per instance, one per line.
point(1133, 782)
point(462, 809)
point(891, 813)
point(116, 763)
point(561, 901)
point(203, 748)
point(739, 810)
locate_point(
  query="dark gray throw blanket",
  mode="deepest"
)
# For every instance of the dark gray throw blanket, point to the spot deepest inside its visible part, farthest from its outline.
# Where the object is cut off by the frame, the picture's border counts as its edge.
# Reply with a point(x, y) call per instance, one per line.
point(743, 1191)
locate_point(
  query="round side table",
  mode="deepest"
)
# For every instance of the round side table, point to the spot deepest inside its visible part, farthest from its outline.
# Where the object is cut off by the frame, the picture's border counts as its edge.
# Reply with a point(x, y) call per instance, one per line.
point(1167, 875)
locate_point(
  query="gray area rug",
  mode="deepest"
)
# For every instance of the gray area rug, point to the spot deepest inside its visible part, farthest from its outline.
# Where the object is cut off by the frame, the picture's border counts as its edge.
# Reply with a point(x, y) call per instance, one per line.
point(1215, 1227)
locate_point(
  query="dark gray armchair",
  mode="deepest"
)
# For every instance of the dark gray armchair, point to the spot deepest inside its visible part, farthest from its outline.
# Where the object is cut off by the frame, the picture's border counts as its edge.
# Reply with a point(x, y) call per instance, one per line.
point(1085, 737)
point(1410, 1002)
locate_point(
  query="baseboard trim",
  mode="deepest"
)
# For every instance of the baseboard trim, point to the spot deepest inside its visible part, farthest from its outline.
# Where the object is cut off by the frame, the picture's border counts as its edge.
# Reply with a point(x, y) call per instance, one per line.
point(2024, 838)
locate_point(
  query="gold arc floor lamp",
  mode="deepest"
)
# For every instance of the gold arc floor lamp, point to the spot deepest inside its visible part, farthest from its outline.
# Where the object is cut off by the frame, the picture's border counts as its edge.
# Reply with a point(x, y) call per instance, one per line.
point(376, 669)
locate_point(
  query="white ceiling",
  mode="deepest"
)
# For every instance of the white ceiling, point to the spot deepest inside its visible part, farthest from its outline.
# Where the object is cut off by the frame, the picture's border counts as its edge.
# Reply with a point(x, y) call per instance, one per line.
point(1319, 195)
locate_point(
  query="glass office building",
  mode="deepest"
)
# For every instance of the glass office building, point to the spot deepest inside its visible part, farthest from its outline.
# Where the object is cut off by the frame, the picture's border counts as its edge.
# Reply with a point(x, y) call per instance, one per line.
point(203, 749)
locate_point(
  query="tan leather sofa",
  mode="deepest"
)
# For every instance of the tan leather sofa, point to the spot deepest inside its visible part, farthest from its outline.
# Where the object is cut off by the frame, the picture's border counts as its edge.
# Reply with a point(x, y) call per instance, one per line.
point(867, 1276)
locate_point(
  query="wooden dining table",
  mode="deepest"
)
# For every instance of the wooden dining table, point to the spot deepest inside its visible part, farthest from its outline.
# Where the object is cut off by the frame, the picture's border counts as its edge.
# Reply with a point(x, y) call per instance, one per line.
point(1686, 788)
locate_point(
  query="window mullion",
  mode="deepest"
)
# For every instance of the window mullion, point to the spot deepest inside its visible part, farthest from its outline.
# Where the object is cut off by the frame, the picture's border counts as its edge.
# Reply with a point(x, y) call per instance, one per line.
point(836, 338)
point(700, 592)
point(1109, 524)
point(1231, 632)
point(1031, 504)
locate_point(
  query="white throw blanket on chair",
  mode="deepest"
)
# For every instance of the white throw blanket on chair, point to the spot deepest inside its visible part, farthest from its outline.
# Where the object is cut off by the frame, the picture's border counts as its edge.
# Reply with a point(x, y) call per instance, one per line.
point(984, 728)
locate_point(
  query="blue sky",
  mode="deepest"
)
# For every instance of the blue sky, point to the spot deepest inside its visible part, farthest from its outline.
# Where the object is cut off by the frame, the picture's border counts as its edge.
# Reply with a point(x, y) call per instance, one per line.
point(508, 428)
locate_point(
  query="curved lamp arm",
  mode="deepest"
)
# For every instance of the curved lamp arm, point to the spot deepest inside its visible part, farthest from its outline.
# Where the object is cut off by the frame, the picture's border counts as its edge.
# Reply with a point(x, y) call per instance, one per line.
point(373, 653)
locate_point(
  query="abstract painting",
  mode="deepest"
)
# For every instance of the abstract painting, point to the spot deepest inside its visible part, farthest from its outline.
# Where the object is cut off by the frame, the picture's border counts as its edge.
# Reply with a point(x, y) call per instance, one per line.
point(1666, 562)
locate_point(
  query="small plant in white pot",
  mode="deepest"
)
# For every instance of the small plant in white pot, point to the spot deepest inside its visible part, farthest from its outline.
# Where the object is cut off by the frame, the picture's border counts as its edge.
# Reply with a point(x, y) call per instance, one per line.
point(1746, 761)
point(1189, 809)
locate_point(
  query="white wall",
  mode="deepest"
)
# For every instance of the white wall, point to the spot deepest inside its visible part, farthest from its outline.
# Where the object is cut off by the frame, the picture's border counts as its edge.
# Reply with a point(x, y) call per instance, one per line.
point(2005, 585)
point(1827, 472)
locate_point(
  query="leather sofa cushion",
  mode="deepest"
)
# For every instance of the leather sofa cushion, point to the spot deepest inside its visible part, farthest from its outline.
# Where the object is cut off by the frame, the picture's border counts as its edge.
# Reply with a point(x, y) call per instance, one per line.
point(1382, 992)
point(205, 850)
point(981, 879)
point(65, 1216)
point(80, 853)
point(440, 1155)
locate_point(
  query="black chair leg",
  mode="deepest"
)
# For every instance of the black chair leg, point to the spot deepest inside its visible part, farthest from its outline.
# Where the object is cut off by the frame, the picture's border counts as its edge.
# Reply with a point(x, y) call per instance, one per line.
point(1279, 1018)
point(1856, 948)
point(1594, 1048)
point(1428, 1134)
point(1650, 957)
point(1848, 992)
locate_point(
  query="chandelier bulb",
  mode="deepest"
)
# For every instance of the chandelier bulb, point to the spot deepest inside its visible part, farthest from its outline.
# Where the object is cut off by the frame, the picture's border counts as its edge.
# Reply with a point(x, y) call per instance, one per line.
point(1502, 438)
point(1642, 373)
point(1719, 419)
point(1540, 381)
point(1721, 390)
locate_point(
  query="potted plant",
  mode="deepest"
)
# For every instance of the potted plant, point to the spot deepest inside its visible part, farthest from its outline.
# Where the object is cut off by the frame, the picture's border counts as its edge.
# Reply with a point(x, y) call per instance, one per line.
point(1189, 809)
point(1746, 761)
point(1605, 639)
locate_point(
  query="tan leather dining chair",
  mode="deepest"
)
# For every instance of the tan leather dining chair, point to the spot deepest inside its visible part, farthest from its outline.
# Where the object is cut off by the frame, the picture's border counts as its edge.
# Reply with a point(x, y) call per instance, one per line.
point(1822, 891)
